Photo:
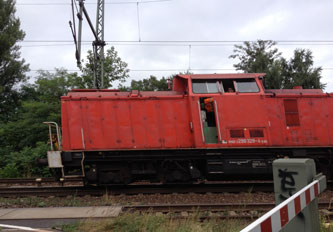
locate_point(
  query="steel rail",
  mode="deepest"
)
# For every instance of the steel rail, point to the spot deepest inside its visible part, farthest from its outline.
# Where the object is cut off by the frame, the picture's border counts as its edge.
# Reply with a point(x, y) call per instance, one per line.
point(136, 188)
point(21, 191)
point(214, 207)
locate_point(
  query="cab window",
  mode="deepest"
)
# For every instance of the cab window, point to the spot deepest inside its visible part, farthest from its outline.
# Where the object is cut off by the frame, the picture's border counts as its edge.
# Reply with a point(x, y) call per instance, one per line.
point(228, 85)
point(246, 86)
point(205, 86)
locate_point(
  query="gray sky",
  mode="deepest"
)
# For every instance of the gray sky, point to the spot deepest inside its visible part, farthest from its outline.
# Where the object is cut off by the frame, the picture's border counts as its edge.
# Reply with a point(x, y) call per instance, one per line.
point(307, 22)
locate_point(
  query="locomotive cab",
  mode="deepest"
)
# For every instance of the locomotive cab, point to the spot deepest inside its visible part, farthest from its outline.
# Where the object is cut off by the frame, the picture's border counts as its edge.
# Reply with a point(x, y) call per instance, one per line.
point(220, 105)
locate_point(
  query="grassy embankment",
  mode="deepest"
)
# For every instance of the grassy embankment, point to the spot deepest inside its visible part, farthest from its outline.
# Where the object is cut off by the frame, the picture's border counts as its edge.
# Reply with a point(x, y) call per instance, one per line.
point(156, 223)
point(163, 223)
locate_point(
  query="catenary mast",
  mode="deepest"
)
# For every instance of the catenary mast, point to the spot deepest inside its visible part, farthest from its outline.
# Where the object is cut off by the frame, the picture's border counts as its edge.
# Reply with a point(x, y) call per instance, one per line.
point(98, 43)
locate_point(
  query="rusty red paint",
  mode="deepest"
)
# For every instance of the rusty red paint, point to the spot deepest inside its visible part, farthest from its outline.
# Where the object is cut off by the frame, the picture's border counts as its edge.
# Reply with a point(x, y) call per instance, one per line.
point(113, 120)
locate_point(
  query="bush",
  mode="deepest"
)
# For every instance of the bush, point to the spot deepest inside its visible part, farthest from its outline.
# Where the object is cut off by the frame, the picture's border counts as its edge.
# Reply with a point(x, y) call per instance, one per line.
point(23, 163)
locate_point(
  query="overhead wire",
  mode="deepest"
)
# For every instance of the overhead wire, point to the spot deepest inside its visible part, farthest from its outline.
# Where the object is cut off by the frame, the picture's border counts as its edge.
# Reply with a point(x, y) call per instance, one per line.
point(88, 3)
point(43, 43)
point(159, 70)
point(192, 41)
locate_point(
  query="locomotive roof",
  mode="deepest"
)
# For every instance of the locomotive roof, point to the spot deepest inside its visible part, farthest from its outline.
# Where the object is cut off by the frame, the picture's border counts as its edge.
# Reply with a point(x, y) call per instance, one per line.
point(97, 93)
point(222, 76)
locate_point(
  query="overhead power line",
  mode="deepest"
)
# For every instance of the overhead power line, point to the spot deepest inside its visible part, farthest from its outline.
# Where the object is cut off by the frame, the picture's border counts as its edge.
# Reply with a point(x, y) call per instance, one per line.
point(160, 70)
point(181, 41)
point(88, 3)
point(43, 43)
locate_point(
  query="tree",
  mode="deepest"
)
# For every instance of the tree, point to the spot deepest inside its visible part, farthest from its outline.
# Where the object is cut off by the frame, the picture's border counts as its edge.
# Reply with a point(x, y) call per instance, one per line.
point(259, 57)
point(23, 138)
point(262, 57)
point(51, 86)
point(148, 84)
point(299, 71)
point(114, 69)
point(12, 68)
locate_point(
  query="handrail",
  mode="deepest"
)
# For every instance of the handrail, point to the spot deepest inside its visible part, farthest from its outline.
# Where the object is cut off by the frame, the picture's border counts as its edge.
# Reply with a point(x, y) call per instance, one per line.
point(55, 125)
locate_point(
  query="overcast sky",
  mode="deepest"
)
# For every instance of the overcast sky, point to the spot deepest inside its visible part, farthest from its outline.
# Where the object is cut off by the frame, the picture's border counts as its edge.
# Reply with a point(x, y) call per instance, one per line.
point(294, 24)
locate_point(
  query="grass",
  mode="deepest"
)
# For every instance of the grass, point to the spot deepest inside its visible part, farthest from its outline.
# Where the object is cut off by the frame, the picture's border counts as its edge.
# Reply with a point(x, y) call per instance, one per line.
point(164, 223)
point(33, 201)
point(156, 223)
point(325, 224)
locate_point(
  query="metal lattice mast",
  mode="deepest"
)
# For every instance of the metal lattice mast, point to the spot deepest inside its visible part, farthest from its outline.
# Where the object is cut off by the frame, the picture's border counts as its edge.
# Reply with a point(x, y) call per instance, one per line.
point(98, 46)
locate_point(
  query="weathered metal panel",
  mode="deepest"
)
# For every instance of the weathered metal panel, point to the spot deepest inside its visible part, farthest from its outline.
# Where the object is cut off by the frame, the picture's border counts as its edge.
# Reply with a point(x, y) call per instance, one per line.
point(124, 125)
point(184, 134)
point(153, 135)
point(54, 159)
point(72, 122)
point(93, 124)
point(109, 120)
point(110, 128)
point(138, 117)
point(320, 124)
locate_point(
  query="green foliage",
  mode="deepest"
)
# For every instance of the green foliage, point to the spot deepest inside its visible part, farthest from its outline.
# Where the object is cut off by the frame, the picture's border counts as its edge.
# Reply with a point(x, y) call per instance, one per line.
point(299, 71)
point(28, 128)
point(69, 227)
point(9, 171)
point(12, 68)
point(23, 163)
point(263, 57)
point(23, 136)
point(149, 84)
point(326, 224)
point(258, 57)
point(51, 86)
point(114, 69)
point(160, 223)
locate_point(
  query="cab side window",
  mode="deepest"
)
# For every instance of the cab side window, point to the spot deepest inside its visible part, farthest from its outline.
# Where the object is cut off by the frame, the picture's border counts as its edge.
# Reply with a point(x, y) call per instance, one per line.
point(228, 85)
point(205, 86)
point(246, 86)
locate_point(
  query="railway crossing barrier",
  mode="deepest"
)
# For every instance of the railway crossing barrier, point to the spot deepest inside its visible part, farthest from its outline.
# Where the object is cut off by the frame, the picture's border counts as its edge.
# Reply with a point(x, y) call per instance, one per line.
point(297, 206)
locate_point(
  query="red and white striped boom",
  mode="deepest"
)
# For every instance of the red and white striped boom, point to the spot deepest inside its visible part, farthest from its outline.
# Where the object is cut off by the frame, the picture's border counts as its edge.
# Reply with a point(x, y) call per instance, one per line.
point(279, 216)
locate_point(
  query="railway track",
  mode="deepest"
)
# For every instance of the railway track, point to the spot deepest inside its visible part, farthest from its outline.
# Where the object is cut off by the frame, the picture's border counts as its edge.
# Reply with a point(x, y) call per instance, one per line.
point(220, 210)
point(22, 191)
point(46, 181)
point(49, 187)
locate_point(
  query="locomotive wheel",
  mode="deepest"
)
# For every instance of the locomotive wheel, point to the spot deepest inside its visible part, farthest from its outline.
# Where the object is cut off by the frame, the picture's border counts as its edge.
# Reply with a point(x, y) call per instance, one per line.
point(174, 172)
point(115, 176)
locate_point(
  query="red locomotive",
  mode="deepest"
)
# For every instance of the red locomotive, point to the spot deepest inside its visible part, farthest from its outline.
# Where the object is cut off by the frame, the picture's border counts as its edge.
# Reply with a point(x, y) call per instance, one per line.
point(206, 127)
